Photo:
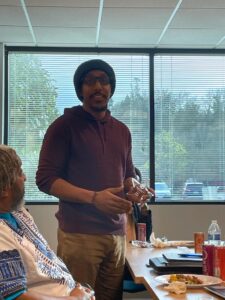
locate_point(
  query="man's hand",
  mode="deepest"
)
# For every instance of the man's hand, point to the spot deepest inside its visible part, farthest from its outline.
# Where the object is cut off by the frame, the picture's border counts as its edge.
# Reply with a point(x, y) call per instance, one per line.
point(82, 293)
point(108, 202)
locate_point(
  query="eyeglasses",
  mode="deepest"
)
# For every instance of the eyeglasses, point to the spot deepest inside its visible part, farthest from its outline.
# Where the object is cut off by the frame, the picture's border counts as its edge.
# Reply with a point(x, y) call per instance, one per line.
point(103, 80)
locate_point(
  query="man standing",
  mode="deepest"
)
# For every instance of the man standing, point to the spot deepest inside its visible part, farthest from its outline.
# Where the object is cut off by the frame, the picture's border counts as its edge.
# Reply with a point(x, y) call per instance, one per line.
point(29, 269)
point(86, 162)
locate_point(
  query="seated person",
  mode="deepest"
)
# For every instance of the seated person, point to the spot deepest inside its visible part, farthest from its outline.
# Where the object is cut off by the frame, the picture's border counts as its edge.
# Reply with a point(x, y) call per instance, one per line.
point(29, 269)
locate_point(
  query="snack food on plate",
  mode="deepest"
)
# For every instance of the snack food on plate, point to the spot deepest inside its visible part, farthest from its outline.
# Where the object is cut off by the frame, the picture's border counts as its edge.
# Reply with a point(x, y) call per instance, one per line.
point(187, 279)
point(176, 287)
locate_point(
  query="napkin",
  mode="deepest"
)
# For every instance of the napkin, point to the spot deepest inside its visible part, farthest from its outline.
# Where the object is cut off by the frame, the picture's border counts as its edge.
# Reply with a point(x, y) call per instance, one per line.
point(176, 287)
point(159, 243)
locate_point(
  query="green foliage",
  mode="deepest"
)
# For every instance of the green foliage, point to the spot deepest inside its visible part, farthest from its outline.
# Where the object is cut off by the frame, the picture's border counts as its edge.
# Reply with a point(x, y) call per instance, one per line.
point(32, 102)
point(196, 123)
point(189, 134)
point(170, 155)
point(31, 90)
point(134, 112)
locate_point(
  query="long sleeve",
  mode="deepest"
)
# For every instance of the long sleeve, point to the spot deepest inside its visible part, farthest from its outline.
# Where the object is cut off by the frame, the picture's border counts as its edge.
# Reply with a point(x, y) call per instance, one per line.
point(53, 155)
point(13, 274)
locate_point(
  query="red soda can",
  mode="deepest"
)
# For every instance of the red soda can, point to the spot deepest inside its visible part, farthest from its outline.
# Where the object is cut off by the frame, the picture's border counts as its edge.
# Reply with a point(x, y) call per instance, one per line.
point(208, 259)
point(199, 240)
point(219, 261)
point(141, 232)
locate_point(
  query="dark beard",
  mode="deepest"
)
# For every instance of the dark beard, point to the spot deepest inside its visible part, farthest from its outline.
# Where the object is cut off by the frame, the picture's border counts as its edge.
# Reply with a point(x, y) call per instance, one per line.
point(18, 195)
point(99, 109)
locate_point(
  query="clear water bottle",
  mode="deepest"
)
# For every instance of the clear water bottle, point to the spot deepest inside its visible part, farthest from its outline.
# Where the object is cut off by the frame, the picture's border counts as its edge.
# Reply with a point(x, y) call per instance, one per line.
point(214, 233)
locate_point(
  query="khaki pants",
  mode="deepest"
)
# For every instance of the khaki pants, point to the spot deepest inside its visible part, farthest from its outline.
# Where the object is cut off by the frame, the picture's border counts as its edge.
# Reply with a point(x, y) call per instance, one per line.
point(95, 259)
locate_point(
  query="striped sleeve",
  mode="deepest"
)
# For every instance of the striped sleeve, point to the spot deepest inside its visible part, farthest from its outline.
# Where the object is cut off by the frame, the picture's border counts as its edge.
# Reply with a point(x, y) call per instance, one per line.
point(12, 273)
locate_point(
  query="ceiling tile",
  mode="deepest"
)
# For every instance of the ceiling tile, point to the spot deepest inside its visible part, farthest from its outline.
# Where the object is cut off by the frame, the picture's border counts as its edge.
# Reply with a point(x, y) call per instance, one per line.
point(10, 34)
point(65, 35)
point(12, 15)
point(135, 18)
point(194, 37)
point(10, 3)
point(203, 4)
point(63, 17)
point(64, 3)
point(140, 3)
point(132, 36)
point(199, 18)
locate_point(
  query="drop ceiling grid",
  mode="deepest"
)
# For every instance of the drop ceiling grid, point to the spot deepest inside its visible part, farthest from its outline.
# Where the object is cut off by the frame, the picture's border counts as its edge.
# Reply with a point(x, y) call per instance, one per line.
point(125, 23)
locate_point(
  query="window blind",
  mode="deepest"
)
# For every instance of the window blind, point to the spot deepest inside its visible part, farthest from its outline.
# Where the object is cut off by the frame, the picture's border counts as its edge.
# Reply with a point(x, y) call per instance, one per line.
point(189, 125)
point(40, 86)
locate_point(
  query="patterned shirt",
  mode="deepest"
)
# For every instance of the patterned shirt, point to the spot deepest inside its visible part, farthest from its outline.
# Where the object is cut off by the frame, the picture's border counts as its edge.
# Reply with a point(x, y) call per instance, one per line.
point(26, 260)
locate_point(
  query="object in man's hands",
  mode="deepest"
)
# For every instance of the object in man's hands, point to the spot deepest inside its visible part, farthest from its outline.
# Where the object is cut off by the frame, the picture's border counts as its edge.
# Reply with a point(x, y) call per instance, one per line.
point(146, 185)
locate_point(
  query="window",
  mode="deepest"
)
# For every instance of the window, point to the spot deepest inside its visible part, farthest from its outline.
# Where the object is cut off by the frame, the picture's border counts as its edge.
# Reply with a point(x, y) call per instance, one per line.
point(187, 110)
point(40, 86)
point(190, 125)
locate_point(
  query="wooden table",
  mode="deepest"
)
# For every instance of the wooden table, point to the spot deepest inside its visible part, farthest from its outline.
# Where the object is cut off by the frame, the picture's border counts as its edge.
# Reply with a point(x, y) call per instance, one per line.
point(137, 258)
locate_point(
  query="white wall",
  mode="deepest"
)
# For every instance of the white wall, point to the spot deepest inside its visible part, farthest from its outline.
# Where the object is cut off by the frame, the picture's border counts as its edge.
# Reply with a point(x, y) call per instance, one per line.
point(44, 216)
point(181, 221)
point(173, 221)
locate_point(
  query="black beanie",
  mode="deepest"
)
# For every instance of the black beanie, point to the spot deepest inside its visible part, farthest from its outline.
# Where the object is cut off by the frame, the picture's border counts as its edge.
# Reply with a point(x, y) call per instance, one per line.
point(87, 66)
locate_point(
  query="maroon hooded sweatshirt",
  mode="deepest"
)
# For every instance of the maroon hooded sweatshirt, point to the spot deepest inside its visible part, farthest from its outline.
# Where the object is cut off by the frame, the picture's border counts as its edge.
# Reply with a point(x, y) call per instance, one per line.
point(90, 154)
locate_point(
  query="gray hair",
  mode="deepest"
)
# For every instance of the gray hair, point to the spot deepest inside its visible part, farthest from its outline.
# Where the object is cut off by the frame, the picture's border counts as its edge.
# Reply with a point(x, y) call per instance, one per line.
point(10, 166)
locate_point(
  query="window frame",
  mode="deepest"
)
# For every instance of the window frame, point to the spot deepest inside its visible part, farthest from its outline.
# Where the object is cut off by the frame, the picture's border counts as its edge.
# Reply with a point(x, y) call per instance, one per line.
point(151, 52)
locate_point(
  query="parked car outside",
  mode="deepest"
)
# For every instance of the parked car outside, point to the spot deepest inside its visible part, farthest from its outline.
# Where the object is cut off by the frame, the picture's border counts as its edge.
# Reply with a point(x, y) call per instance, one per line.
point(193, 191)
point(162, 191)
point(220, 193)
